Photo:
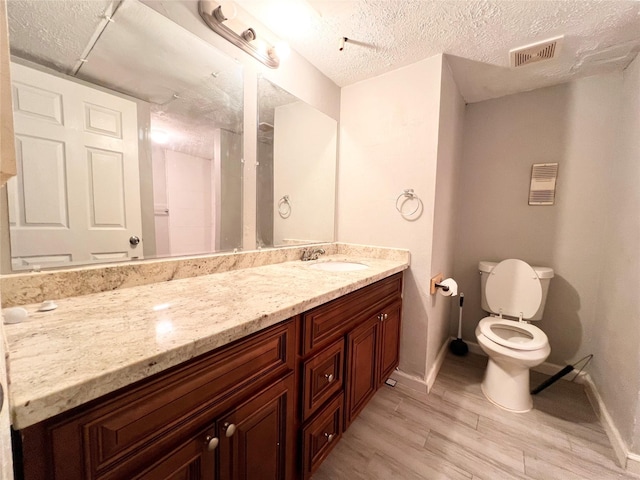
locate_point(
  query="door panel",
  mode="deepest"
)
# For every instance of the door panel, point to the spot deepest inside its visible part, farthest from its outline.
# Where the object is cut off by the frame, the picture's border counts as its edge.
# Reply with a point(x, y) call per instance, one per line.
point(389, 340)
point(259, 445)
point(362, 375)
point(78, 179)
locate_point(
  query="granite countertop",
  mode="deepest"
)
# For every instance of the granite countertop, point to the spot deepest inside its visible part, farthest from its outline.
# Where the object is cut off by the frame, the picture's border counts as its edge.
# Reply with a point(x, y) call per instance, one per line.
point(95, 344)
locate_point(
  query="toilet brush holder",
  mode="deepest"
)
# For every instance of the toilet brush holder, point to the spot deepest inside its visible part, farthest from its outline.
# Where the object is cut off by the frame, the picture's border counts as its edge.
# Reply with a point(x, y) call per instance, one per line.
point(457, 346)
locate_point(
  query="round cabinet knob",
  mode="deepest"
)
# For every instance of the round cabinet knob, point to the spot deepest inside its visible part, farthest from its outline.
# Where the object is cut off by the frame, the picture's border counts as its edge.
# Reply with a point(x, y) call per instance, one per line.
point(329, 437)
point(211, 443)
point(329, 377)
point(229, 429)
point(134, 240)
point(385, 316)
point(380, 317)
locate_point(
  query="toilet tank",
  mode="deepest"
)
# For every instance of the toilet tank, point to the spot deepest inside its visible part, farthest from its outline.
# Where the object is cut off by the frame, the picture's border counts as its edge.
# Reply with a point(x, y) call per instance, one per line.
point(545, 274)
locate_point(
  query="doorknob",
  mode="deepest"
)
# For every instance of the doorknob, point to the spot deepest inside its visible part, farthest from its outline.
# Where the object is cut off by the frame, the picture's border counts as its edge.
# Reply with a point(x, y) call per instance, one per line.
point(134, 240)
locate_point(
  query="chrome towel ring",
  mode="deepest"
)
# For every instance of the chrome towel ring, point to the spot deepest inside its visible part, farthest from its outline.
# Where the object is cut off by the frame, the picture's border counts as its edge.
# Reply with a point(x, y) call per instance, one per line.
point(284, 207)
point(409, 195)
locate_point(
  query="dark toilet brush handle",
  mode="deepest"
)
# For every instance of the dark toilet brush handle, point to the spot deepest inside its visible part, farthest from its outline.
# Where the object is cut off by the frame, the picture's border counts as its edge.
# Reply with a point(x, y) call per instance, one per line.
point(553, 379)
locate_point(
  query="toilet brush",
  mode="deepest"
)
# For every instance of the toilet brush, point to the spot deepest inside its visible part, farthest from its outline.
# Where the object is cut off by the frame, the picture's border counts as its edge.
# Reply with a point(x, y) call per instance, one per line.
point(457, 346)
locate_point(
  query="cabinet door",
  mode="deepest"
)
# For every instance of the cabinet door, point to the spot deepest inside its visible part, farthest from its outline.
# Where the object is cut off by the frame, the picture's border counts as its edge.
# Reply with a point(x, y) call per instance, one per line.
point(192, 460)
point(362, 379)
point(256, 438)
point(389, 340)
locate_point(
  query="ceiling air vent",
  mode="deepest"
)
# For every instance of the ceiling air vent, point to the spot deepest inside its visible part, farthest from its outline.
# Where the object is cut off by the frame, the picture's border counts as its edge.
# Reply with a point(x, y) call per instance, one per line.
point(535, 52)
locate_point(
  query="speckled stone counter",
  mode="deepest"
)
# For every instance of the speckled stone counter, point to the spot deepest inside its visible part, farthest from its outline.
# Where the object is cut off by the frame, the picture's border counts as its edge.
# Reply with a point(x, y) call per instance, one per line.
point(95, 344)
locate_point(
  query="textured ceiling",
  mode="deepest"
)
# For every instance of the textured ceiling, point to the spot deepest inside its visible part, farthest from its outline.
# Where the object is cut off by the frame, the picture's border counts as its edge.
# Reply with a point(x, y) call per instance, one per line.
point(384, 35)
point(191, 86)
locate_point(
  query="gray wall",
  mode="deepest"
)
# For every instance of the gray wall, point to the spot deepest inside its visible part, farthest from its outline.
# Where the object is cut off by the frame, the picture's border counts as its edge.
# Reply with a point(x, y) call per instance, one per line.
point(230, 232)
point(575, 125)
point(616, 339)
point(445, 211)
point(264, 195)
point(589, 237)
point(389, 143)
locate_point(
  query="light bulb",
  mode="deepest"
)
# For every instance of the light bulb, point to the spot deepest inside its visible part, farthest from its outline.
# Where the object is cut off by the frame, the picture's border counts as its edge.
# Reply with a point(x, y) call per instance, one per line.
point(159, 136)
point(282, 50)
point(225, 11)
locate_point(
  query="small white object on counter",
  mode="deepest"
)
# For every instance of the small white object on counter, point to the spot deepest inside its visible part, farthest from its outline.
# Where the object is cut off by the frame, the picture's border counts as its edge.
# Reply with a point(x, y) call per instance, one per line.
point(47, 305)
point(14, 314)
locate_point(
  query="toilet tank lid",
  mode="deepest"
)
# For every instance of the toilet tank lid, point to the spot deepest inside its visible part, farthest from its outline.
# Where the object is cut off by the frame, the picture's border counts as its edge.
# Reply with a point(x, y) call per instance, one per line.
point(542, 272)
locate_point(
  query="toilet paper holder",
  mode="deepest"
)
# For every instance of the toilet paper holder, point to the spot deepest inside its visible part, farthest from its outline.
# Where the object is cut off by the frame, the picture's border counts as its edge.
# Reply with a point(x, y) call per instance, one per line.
point(435, 281)
point(438, 282)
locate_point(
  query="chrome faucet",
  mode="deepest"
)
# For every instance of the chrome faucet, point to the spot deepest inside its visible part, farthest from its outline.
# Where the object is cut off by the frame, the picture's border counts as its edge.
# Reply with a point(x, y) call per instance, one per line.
point(311, 254)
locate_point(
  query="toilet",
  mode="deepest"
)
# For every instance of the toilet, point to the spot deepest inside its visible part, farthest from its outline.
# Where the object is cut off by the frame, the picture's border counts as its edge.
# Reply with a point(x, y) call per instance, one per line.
point(514, 293)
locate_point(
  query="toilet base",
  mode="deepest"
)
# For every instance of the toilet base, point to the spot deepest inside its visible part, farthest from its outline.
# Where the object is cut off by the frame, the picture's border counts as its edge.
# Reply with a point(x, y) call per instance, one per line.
point(507, 386)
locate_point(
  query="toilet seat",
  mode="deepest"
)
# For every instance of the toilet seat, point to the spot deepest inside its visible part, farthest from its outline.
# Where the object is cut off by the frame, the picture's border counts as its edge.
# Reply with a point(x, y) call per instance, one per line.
point(514, 289)
point(530, 337)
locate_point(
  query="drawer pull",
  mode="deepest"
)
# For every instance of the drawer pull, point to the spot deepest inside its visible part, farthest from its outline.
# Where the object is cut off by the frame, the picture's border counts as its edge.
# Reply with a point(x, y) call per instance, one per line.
point(329, 436)
point(329, 377)
point(211, 442)
point(229, 429)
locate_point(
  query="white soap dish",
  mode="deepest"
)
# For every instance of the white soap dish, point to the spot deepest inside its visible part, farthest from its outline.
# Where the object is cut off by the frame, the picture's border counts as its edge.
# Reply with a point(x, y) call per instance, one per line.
point(47, 305)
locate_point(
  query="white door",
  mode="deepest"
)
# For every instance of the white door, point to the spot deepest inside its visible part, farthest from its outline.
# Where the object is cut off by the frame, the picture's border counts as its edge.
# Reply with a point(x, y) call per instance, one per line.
point(76, 197)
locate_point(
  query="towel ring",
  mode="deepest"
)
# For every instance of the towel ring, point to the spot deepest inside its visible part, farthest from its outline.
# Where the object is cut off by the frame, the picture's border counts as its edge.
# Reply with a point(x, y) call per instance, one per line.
point(408, 195)
point(284, 207)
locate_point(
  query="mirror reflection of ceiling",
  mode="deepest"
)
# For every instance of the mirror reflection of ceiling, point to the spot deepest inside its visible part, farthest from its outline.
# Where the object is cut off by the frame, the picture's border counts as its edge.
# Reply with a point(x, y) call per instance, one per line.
point(207, 85)
point(600, 36)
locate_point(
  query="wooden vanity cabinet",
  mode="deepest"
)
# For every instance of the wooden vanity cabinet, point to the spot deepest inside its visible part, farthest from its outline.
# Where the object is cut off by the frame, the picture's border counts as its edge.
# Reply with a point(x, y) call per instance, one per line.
point(200, 420)
point(271, 406)
point(349, 347)
point(372, 355)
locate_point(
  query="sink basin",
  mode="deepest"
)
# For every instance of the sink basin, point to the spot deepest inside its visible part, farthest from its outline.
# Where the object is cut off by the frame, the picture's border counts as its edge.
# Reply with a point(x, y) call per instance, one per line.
point(337, 266)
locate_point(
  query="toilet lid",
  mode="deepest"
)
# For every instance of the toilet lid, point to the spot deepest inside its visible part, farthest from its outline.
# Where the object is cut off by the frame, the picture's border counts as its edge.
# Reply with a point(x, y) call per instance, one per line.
point(512, 334)
point(513, 288)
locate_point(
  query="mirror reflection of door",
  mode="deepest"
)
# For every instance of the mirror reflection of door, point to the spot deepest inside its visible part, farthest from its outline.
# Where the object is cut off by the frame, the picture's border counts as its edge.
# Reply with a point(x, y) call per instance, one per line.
point(175, 83)
point(197, 194)
point(76, 197)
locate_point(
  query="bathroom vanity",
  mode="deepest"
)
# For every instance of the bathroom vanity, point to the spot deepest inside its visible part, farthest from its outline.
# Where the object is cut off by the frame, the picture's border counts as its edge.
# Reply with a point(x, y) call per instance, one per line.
point(246, 374)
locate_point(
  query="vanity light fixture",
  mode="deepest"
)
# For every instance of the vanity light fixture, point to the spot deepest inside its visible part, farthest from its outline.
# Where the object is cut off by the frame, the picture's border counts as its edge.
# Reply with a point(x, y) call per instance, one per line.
point(215, 14)
point(159, 136)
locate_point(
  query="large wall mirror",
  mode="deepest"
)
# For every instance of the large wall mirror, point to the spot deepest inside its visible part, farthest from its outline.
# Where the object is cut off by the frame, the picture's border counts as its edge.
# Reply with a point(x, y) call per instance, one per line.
point(128, 137)
point(296, 170)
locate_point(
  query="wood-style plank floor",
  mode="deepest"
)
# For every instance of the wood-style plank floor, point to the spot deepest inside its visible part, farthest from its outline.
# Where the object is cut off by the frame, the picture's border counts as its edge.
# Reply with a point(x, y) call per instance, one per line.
point(456, 433)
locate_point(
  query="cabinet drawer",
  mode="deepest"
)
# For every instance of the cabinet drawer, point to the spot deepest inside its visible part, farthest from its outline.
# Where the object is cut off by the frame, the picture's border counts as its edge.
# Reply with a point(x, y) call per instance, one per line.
point(321, 435)
point(322, 377)
point(325, 323)
point(117, 436)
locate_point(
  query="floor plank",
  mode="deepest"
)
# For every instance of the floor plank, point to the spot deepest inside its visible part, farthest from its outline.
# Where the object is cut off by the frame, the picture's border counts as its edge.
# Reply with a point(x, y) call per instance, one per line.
point(456, 433)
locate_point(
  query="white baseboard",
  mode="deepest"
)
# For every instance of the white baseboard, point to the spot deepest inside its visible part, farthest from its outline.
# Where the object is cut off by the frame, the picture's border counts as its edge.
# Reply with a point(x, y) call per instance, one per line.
point(410, 381)
point(418, 383)
point(617, 443)
point(627, 460)
point(633, 463)
point(435, 368)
